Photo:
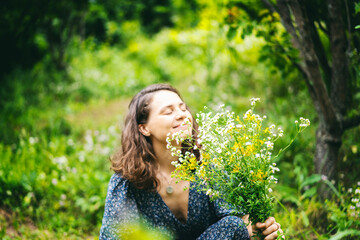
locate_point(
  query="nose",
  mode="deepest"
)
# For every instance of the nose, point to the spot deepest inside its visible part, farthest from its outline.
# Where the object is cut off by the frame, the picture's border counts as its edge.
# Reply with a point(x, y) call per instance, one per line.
point(180, 114)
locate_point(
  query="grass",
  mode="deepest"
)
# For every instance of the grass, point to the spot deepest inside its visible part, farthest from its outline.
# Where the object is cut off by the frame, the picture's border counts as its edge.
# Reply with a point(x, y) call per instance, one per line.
point(97, 113)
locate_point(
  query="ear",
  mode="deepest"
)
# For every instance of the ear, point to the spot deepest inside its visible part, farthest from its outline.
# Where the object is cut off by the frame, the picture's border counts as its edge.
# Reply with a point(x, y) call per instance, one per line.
point(144, 130)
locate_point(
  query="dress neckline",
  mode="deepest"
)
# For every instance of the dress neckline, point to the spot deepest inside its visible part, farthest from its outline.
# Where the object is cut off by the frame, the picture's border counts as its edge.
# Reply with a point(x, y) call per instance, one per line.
point(188, 207)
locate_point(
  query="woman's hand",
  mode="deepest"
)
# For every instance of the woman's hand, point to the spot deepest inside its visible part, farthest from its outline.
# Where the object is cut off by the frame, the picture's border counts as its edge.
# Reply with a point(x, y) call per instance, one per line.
point(270, 228)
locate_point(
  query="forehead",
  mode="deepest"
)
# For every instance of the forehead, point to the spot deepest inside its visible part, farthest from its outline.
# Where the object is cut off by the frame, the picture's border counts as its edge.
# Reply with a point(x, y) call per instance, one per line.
point(164, 98)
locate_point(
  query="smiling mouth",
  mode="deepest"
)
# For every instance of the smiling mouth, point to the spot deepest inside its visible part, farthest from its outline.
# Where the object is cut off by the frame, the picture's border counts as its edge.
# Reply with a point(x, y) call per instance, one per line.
point(181, 127)
point(185, 126)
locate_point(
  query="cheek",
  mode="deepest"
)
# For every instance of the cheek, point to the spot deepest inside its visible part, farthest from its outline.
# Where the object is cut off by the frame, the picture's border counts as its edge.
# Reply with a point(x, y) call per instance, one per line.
point(188, 115)
point(191, 120)
point(165, 123)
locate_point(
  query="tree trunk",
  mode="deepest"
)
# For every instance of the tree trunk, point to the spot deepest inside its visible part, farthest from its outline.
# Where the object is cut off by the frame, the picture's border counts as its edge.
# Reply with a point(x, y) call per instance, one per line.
point(306, 39)
point(327, 77)
point(326, 157)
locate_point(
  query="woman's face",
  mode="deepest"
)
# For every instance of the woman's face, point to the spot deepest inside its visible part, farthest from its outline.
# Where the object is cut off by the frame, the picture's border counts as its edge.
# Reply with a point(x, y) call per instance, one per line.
point(167, 113)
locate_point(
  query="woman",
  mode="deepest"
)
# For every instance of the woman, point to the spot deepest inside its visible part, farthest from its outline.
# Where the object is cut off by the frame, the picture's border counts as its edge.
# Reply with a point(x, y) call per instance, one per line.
point(142, 185)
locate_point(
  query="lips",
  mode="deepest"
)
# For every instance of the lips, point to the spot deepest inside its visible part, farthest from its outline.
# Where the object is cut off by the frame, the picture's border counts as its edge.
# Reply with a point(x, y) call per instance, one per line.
point(180, 126)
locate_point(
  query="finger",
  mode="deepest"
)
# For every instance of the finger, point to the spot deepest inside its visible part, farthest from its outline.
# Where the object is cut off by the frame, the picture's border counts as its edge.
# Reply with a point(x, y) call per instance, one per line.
point(265, 224)
point(269, 221)
point(245, 218)
point(271, 236)
point(280, 233)
point(271, 229)
point(260, 225)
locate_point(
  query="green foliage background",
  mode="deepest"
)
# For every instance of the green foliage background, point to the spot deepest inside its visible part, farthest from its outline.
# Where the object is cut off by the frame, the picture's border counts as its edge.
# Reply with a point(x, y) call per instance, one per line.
point(69, 71)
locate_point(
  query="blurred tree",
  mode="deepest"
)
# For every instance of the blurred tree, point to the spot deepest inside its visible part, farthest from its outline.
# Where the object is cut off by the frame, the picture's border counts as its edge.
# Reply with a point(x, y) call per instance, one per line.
point(30, 29)
point(61, 22)
point(18, 21)
point(325, 36)
point(152, 15)
point(33, 30)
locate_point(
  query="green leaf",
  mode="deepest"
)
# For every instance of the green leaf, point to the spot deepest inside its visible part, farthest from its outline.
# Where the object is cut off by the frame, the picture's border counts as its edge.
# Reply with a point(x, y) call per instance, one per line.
point(288, 194)
point(240, 198)
point(341, 234)
point(231, 33)
point(357, 27)
point(310, 192)
point(331, 186)
point(310, 180)
point(357, 8)
point(305, 219)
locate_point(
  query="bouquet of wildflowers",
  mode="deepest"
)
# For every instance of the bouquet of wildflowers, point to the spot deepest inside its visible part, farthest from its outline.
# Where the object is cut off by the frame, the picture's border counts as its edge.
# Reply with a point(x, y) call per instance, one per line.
point(236, 160)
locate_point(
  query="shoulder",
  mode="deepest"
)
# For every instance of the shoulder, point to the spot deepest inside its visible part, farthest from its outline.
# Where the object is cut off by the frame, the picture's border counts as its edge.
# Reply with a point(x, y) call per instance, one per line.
point(119, 189)
point(118, 183)
point(120, 207)
point(119, 195)
point(117, 179)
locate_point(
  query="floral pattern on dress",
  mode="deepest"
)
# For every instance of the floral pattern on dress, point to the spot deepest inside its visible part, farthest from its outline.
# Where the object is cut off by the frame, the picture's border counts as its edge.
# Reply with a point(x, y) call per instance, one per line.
point(206, 220)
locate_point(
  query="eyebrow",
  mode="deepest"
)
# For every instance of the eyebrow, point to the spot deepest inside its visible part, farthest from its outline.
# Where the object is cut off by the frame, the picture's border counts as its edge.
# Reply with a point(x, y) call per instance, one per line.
point(171, 105)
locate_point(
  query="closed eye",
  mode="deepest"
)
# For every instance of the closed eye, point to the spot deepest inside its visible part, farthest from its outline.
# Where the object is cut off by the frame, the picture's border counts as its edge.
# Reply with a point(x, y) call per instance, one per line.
point(168, 112)
point(183, 107)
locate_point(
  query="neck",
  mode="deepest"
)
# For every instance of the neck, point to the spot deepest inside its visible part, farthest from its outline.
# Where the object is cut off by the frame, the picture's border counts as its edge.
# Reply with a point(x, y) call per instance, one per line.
point(164, 158)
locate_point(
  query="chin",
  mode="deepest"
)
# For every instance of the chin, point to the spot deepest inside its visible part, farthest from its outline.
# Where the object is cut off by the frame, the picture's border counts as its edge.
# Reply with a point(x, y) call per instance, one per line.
point(186, 134)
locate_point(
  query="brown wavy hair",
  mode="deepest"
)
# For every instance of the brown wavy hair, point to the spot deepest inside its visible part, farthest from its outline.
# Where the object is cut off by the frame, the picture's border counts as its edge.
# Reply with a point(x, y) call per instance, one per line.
point(135, 160)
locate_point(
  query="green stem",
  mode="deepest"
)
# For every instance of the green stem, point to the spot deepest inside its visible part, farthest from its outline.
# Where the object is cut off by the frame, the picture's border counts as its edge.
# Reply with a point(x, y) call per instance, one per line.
point(283, 149)
point(282, 205)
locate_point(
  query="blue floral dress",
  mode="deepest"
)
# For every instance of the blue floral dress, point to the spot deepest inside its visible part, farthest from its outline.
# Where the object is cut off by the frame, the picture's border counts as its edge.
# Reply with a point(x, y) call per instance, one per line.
point(205, 220)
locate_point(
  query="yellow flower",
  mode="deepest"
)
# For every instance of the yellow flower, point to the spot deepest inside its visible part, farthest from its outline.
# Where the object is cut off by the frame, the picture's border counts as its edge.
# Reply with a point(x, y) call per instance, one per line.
point(232, 158)
point(235, 147)
point(192, 178)
point(238, 119)
point(205, 156)
point(216, 161)
point(204, 162)
point(249, 150)
point(230, 130)
point(266, 130)
point(202, 173)
point(192, 163)
point(258, 176)
point(236, 169)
